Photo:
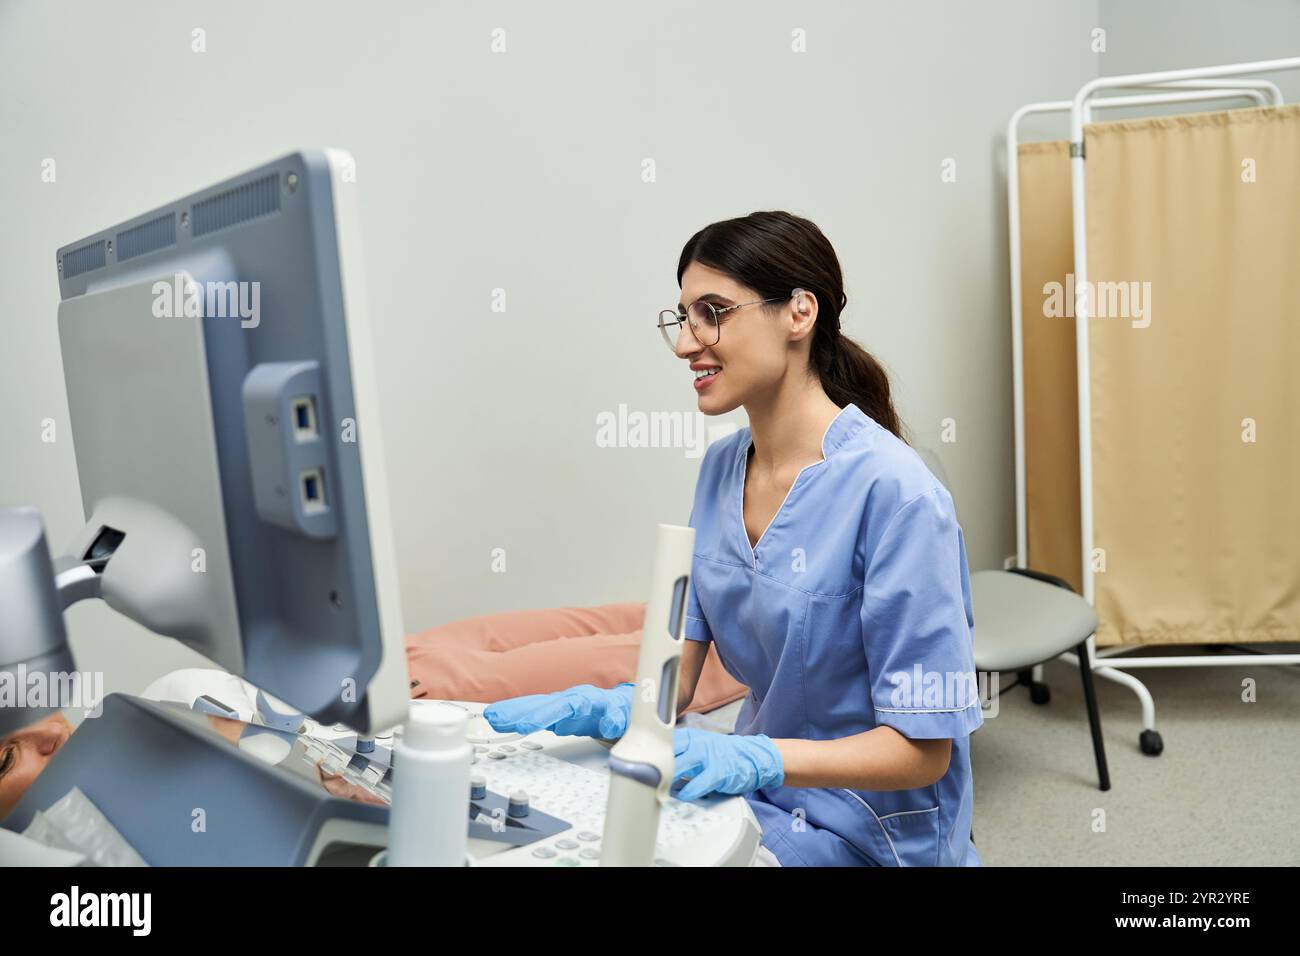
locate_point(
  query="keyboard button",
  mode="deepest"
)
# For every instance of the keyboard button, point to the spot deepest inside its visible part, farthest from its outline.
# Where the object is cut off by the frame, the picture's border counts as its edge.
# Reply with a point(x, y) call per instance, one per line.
point(578, 795)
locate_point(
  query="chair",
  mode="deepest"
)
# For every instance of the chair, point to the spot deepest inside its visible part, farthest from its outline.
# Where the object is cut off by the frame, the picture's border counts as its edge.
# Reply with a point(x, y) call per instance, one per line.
point(1024, 618)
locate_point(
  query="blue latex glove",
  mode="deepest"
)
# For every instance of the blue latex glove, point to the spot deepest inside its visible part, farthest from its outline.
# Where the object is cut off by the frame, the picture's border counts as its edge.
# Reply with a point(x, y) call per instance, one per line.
point(725, 763)
point(582, 711)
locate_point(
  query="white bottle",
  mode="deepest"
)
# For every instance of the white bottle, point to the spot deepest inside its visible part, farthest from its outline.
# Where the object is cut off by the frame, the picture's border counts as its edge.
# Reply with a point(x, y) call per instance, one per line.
point(428, 824)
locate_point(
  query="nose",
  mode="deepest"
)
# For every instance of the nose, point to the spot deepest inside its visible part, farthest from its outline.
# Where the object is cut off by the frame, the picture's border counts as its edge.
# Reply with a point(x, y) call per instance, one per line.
point(49, 735)
point(688, 346)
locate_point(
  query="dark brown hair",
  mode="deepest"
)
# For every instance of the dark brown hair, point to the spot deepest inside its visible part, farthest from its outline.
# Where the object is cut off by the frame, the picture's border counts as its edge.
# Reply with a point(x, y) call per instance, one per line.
point(775, 252)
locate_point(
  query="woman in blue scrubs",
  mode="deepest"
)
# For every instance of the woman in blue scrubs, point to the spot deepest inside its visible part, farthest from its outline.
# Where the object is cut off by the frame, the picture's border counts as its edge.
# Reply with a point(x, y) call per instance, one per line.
point(830, 573)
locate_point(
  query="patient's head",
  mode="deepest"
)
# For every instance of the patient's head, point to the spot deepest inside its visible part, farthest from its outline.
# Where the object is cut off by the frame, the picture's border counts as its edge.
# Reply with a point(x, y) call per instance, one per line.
point(24, 754)
point(777, 292)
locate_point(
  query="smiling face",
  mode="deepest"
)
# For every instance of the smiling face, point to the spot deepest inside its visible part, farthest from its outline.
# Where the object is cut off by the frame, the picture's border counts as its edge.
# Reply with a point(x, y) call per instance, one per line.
point(757, 347)
point(23, 755)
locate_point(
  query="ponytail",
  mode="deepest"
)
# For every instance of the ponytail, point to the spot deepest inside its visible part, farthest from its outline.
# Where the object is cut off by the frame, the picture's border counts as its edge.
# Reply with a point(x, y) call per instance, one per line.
point(850, 374)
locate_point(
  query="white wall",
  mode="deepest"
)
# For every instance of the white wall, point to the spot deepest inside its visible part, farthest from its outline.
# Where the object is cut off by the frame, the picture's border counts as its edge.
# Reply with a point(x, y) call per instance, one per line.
point(1176, 34)
point(522, 171)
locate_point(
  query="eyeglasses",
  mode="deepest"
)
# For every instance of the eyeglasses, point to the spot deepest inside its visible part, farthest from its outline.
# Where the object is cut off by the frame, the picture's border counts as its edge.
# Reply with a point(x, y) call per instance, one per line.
point(705, 320)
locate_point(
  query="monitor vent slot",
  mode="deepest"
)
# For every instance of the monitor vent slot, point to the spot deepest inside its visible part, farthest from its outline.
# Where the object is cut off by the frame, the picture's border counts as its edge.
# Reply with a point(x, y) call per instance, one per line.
point(252, 200)
point(86, 258)
point(147, 237)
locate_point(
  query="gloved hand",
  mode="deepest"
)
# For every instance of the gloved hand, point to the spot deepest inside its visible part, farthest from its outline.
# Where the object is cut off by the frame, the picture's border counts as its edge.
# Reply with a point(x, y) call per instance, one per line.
point(725, 763)
point(582, 711)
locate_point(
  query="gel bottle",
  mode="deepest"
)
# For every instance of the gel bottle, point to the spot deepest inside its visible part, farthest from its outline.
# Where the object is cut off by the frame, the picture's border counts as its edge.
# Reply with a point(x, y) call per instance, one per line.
point(428, 824)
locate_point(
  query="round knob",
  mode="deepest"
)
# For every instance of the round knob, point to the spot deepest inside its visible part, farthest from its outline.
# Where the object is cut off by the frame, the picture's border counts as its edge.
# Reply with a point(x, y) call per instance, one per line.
point(478, 787)
point(518, 804)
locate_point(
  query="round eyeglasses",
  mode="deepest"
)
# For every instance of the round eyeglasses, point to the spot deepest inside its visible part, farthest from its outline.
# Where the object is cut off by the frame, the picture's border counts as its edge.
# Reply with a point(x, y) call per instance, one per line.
point(705, 320)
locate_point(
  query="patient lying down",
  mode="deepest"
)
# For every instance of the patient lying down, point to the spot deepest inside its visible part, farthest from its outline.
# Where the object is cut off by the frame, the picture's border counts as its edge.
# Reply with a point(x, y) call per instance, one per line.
point(483, 659)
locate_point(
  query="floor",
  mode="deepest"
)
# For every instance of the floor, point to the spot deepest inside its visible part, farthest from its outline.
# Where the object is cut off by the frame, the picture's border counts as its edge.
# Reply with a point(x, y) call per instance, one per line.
point(1226, 790)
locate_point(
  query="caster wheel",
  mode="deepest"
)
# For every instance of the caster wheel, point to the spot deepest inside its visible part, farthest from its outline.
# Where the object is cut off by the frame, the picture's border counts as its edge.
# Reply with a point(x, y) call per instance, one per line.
point(1040, 693)
point(1151, 743)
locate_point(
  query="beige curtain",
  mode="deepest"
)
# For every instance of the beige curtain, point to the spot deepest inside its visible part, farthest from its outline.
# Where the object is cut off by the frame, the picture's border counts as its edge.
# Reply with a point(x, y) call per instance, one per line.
point(1196, 415)
point(1051, 407)
point(1194, 349)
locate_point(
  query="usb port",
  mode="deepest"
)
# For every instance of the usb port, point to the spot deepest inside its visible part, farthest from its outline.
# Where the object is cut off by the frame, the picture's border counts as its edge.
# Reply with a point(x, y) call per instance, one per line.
point(303, 414)
point(312, 485)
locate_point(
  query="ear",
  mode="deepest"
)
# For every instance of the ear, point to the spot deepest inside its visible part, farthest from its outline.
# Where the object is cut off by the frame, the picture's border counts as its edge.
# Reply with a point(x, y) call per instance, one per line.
point(803, 307)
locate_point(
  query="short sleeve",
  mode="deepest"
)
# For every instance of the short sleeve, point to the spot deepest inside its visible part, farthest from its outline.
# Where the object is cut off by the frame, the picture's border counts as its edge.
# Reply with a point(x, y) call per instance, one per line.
point(697, 628)
point(917, 623)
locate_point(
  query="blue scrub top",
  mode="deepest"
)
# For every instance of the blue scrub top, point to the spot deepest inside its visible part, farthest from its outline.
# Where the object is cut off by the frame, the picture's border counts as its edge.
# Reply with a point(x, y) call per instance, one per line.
point(853, 611)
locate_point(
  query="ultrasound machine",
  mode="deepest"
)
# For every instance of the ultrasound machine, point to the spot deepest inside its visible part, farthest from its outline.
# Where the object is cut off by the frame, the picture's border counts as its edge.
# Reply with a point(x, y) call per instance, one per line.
point(223, 397)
